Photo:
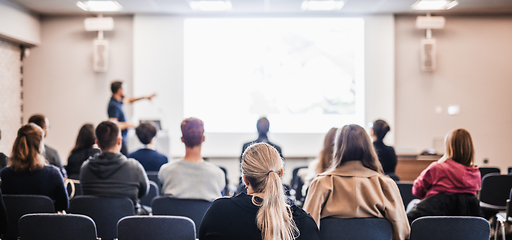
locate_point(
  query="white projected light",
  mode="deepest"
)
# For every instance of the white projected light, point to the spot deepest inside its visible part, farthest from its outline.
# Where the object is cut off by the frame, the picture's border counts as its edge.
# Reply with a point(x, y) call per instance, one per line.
point(304, 75)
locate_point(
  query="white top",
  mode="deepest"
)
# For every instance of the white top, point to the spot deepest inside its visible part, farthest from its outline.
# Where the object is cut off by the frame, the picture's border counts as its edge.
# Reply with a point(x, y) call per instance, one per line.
point(184, 179)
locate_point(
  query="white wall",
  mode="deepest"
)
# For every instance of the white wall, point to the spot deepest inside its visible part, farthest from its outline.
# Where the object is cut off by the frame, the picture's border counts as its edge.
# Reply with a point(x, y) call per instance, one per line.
point(474, 71)
point(158, 67)
point(18, 24)
point(60, 83)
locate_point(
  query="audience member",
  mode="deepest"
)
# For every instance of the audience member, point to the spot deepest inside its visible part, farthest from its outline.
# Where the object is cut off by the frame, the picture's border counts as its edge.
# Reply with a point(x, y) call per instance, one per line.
point(150, 159)
point(3, 158)
point(323, 162)
point(50, 154)
point(28, 173)
point(356, 187)
point(116, 113)
point(263, 213)
point(387, 155)
point(83, 150)
point(263, 126)
point(111, 174)
point(449, 186)
point(192, 176)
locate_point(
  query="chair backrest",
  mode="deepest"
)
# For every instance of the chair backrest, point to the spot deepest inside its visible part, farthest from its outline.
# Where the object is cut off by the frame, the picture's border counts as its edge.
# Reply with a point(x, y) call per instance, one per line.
point(51, 226)
point(496, 189)
point(19, 205)
point(296, 183)
point(152, 193)
point(225, 192)
point(486, 170)
point(194, 209)
point(105, 212)
point(405, 192)
point(153, 176)
point(450, 228)
point(355, 229)
point(156, 228)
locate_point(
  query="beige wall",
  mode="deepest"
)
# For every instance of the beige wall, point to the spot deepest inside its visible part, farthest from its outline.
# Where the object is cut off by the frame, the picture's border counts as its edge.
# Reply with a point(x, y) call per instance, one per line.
point(474, 71)
point(10, 96)
point(60, 83)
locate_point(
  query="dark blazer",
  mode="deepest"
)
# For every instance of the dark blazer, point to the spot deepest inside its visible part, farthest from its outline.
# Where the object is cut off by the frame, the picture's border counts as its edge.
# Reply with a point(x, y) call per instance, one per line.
point(387, 156)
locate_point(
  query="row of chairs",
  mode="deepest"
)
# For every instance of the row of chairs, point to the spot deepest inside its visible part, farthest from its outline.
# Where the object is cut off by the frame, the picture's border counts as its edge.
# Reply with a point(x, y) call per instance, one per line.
point(50, 226)
point(80, 227)
point(105, 212)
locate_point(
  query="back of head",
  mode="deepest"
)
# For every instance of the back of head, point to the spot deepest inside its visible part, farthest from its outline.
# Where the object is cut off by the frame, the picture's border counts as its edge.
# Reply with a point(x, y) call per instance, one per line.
point(38, 119)
point(115, 86)
point(262, 165)
point(192, 130)
point(326, 154)
point(459, 147)
point(380, 129)
point(263, 125)
point(86, 138)
point(107, 133)
point(353, 143)
point(26, 151)
point(146, 131)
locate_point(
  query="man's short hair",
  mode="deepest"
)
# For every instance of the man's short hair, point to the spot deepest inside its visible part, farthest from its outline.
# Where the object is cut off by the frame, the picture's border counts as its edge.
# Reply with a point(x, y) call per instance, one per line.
point(38, 119)
point(192, 130)
point(263, 125)
point(107, 133)
point(115, 86)
point(146, 131)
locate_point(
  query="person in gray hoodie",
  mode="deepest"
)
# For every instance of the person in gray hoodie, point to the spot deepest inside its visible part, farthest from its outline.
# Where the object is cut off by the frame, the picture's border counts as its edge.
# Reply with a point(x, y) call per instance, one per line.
point(111, 174)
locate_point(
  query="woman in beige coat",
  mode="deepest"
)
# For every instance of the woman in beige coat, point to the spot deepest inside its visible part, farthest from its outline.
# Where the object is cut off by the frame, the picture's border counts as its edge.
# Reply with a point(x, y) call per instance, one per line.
point(356, 187)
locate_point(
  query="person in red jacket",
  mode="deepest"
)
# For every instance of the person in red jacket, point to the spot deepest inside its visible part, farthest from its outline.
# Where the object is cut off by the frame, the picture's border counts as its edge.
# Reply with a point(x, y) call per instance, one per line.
point(448, 187)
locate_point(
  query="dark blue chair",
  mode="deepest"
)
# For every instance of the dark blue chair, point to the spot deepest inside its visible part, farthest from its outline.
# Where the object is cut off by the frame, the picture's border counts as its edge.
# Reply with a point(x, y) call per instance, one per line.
point(19, 205)
point(51, 226)
point(495, 192)
point(152, 193)
point(450, 228)
point(355, 229)
point(406, 192)
point(156, 228)
point(105, 212)
point(194, 209)
point(486, 170)
point(296, 183)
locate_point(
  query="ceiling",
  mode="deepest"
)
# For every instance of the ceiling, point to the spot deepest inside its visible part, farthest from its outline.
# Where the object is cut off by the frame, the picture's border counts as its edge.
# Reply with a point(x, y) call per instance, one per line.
point(269, 7)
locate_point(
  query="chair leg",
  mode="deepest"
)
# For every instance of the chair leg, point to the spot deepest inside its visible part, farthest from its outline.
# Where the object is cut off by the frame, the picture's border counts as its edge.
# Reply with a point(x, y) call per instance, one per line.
point(496, 229)
point(503, 231)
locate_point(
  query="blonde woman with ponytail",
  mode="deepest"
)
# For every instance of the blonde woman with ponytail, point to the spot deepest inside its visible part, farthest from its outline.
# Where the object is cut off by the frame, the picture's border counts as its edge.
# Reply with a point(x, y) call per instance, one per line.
point(29, 173)
point(355, 185)
point(262, 213)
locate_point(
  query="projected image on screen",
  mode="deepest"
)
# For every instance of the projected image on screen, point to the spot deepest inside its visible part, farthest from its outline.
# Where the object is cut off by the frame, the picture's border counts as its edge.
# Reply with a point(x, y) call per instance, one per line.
point(305, 75)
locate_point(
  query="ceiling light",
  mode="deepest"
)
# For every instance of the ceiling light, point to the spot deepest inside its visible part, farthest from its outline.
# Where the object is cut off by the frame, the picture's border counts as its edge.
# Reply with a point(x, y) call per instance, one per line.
point(434, 5)
point(99, 6)
point(210, 5)
point(322, 5)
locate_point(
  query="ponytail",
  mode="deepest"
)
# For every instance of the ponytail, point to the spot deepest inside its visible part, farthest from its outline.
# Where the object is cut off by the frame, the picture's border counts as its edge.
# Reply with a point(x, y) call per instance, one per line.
point(262, 166)
point(26, 151)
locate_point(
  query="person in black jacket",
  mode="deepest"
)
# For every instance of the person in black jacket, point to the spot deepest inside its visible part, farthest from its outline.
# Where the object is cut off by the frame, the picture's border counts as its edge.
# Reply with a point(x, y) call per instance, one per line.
point(3, 215)
point(254, 216)
point(28, 173)
point(51, 155)
point(111, 174)
point(83, 150)
point(387, 155)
